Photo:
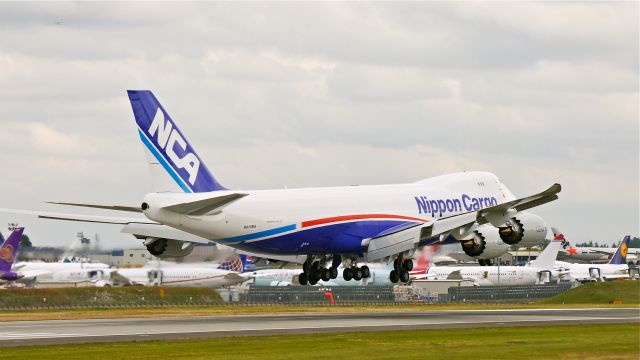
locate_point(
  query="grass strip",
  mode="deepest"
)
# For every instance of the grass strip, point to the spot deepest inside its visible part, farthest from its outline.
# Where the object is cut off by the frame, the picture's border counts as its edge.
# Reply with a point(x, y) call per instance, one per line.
point(602, 342)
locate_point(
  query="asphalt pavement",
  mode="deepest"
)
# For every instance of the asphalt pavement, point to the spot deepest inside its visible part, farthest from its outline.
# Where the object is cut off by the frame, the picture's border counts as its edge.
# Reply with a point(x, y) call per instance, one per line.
point(15, 333)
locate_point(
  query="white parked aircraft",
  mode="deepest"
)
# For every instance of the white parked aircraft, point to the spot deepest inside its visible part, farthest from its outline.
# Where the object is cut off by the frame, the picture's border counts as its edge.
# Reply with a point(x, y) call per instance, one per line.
point(227, 274)
point(617, 267)
point(539, 271)
point(69, 272)
point(326, 226)
point(590, 254)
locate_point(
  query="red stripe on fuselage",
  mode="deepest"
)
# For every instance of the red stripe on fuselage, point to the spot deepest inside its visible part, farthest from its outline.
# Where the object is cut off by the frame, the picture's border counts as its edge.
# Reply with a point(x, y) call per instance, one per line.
point(358, 217)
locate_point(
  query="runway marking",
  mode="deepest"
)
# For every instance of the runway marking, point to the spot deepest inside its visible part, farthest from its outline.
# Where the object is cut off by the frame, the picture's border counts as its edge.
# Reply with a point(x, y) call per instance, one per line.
point(18, 336)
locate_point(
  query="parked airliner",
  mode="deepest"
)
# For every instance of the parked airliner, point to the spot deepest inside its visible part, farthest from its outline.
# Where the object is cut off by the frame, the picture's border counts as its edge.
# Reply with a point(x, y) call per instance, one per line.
point(8, 254)
point(539, 271)
point(229, 272)
point(616, 268)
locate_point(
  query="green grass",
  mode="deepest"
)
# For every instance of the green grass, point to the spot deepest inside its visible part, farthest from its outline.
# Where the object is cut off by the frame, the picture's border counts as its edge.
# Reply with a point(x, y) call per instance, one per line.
point(600, 293)
point(582, 342)
point(92, 296)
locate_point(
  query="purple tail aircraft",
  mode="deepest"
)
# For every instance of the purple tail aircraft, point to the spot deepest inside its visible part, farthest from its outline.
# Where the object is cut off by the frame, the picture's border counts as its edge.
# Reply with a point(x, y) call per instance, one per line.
point(8, 252)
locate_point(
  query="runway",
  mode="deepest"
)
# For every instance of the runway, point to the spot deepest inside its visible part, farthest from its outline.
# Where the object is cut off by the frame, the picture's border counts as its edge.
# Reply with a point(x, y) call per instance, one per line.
point(106, 330)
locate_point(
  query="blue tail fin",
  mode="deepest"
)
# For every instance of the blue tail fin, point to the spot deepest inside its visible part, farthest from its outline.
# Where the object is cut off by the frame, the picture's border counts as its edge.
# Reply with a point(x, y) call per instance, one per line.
point(620, 256)
point(9, 249)
point(175, 166)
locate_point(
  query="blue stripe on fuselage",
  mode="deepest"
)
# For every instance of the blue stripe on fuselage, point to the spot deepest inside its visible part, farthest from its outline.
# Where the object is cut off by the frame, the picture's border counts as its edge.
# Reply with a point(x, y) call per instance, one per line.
point(341, 238)
point(260, 234)
point(164, 163)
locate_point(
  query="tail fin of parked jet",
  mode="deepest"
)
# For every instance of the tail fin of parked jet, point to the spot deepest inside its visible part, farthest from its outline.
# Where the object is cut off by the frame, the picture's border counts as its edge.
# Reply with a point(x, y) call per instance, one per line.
point(175, 166)
point(1, 238)
point(234, 262)
point(9, 249)
point(620, 256)
point(547, 257)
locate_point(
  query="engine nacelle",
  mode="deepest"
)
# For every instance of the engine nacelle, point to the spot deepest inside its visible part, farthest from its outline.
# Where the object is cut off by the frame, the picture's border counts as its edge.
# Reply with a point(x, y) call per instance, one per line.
point(525, 229)
point(168, 248)
point(484, 243)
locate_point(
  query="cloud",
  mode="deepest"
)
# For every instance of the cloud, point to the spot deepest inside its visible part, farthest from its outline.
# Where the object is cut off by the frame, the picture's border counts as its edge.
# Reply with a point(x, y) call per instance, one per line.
point(325, 94)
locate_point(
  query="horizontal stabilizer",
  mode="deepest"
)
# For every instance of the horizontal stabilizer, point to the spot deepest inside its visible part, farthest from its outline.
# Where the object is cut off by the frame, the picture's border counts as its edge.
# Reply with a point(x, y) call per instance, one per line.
point(80, 217)
point(100, 206)
point(204, 206)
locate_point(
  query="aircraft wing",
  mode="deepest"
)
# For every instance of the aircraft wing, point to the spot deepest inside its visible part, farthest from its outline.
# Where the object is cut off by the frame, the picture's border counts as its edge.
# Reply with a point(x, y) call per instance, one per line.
point(31, 274)
point(236, 278)
point(119, 278)
point(455, 275)
point(389, 244)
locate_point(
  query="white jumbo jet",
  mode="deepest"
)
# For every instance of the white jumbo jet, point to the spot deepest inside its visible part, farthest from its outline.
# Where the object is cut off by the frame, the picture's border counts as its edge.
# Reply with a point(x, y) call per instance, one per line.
point(324, 227)
point(539, 271)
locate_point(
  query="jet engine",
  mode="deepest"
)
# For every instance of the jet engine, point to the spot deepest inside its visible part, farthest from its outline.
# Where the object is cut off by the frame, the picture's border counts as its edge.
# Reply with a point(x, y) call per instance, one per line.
point(168, 248)
point(484, 243)
point(525, 229)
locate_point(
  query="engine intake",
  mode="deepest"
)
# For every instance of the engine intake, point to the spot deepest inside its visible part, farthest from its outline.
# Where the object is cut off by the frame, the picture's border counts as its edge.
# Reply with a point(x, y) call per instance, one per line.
point(168, 248)
point(484, 243)
point(525, 229)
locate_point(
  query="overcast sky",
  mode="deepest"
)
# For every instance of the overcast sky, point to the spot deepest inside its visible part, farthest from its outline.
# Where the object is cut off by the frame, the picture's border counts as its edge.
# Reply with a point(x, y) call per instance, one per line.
point(279, 95)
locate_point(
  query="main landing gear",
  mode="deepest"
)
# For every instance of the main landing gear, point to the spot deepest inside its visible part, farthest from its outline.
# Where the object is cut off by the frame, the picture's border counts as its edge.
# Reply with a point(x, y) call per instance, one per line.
point(401, 268)
point(314, 272)
point(356, 273)
point(487, 262)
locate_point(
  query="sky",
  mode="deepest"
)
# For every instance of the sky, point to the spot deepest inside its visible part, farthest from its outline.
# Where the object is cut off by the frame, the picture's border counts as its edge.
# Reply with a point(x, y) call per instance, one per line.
point(276, 95)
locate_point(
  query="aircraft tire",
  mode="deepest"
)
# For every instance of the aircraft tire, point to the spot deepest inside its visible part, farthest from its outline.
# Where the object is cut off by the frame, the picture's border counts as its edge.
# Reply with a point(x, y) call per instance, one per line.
point(488, 262)
point(334, 273)
point(481, 262)
point(315, 267)
point(366, 273)
point(326, 275)
point(313, 281)
point(303, 278)
point(357, 274)
point(404, 276)
point(396, 264)
point(393, 276)
point(347, 274)
point(407, 265)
